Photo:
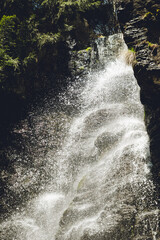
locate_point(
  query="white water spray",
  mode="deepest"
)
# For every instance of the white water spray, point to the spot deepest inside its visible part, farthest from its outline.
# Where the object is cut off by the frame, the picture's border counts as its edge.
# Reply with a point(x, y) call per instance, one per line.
point(99, 185)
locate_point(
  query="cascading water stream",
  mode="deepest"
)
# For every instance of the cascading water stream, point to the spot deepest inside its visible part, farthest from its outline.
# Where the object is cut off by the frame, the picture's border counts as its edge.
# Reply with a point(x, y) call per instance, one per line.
point(98, 183)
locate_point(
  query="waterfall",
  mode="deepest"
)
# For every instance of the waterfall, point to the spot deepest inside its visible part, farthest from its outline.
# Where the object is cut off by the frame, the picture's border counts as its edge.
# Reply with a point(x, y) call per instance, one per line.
point(90, 161)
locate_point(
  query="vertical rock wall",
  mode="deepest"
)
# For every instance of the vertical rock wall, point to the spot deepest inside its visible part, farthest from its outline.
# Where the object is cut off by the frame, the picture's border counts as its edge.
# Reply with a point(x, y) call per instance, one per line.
point(140, 23)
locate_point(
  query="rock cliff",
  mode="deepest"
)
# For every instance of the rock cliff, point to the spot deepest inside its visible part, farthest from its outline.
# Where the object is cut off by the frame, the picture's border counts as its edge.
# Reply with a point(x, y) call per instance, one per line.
point(57, 64)
point(140, 21)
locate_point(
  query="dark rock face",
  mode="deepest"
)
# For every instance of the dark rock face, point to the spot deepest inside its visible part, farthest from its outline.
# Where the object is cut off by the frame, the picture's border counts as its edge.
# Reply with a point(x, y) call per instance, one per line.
point(140, 21)
point(57, 65)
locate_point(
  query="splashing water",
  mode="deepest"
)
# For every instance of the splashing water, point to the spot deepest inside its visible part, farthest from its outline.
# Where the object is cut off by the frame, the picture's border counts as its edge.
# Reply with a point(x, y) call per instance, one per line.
point(94, 177)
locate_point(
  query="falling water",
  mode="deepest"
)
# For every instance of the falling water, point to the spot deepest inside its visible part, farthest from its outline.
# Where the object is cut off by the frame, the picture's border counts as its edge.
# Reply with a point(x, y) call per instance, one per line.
point(89, 160)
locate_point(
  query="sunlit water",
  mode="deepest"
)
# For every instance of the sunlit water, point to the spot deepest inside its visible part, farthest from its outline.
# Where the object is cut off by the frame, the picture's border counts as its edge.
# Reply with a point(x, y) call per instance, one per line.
point(90, 158)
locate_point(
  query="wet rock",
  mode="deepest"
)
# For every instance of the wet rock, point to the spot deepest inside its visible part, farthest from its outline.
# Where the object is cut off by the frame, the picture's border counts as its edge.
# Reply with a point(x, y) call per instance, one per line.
point(106, 141)
point(84, 60)
point(140, 22)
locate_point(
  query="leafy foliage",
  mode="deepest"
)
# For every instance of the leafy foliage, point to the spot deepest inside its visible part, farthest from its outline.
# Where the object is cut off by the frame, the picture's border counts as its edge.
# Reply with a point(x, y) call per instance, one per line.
point(33, 36)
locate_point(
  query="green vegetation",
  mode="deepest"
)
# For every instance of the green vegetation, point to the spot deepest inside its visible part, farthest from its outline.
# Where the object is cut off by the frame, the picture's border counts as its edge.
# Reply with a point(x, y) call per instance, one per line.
point(152, 45)
point(147, 15)
point(154, 13)
point(130, 56)
point(33, 39)
point(132, 50)
point(85, 50)
point(88, 49)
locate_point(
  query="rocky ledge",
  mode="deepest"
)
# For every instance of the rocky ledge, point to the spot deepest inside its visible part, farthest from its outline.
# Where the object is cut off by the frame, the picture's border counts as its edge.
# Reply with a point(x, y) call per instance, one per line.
point(140, 21)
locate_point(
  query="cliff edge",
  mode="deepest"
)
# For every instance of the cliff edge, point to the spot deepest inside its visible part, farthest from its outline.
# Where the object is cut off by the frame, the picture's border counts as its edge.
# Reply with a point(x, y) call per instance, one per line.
point(140, 21)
